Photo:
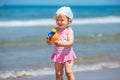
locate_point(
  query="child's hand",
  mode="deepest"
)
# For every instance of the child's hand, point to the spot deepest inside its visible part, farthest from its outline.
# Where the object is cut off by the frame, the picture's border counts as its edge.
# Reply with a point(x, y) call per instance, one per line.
point(57, 43)
point(48, 40)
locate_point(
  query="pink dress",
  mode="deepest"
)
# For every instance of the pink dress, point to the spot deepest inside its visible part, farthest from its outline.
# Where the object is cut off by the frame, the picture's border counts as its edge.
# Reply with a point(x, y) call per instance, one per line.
point(63, 54)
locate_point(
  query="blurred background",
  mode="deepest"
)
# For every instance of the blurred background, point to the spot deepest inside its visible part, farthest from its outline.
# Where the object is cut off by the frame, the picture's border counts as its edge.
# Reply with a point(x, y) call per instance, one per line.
point(24, 25)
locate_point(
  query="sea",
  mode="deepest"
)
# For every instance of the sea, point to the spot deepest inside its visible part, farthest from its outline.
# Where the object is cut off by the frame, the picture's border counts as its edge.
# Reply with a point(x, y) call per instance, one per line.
point(25, 53)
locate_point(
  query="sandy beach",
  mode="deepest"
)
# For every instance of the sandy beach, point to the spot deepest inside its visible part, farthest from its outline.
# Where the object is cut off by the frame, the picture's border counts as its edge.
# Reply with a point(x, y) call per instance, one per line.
point(107, 74)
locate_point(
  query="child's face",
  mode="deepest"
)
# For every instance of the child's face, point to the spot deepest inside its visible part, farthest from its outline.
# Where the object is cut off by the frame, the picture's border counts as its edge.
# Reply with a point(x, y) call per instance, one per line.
point(62, 21)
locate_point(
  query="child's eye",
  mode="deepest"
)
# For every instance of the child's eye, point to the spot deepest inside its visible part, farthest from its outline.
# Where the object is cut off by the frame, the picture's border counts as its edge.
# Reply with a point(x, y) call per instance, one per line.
point(60, 20)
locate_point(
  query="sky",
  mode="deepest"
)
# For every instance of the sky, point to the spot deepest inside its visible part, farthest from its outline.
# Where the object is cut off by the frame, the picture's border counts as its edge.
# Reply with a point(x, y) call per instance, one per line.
point(60, 2)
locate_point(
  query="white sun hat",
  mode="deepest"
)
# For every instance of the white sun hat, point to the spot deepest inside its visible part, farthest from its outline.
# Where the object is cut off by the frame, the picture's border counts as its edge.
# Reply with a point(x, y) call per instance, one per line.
point(65, 11)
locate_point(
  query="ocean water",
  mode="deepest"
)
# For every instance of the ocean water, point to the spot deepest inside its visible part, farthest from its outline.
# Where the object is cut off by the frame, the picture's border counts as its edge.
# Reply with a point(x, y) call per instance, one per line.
point(25, 53)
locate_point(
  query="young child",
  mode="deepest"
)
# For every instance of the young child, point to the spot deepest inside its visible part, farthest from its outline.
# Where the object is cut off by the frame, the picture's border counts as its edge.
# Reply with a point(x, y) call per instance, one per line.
point(63, 55)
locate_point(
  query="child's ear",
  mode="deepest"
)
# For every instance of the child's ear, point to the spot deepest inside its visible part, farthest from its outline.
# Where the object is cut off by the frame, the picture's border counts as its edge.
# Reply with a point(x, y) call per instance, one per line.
point(69, 21)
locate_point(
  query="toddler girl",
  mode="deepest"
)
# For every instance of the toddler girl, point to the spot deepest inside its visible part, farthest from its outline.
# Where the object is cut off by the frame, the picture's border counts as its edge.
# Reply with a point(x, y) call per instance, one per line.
point(63, 55)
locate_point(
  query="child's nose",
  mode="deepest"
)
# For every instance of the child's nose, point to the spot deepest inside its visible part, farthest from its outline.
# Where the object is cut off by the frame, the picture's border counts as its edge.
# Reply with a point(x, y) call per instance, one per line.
point(59, 21)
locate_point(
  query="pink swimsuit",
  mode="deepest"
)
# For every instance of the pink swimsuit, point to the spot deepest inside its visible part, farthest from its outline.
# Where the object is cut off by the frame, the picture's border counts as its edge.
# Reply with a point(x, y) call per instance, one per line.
point(63, 54)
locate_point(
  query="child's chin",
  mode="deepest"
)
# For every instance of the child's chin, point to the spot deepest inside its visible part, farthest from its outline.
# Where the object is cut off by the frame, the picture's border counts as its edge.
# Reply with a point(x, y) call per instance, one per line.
point(61, 27)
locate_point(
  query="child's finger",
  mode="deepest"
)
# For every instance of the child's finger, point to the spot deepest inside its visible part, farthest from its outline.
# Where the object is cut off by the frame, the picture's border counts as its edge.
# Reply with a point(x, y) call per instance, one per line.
point(48, 38)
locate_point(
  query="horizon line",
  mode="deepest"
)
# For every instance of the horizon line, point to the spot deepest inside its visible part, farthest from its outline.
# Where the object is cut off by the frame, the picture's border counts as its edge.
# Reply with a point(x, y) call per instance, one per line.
point(54, 5)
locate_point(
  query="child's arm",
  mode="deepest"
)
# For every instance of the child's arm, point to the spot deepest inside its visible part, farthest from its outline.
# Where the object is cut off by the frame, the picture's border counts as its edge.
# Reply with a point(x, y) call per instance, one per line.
point(48, 41)
point(67, 43)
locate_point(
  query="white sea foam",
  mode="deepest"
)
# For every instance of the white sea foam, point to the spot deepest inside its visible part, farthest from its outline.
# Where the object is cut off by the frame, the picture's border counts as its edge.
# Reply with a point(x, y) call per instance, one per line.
point(49, 71)
point(25, 73)
point(51, 22)
point(97, 66)
point(25, 23)
point(97, 20)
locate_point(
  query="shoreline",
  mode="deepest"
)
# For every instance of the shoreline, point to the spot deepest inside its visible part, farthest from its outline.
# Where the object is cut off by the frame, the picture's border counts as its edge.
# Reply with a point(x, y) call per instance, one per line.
point(105, 74)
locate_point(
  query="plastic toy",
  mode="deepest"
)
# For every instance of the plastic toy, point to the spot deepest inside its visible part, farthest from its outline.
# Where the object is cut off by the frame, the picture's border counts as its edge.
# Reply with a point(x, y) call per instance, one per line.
point(53, 35)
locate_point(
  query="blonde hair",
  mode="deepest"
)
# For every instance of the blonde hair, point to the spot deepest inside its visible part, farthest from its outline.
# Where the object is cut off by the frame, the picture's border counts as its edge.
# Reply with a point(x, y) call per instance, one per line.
point(61, 16)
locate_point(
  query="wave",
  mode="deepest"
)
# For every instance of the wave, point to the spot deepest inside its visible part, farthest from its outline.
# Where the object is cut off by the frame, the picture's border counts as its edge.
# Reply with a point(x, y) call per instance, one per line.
point(25, 73)
point(50, 71)
point(97, 20)
point(96, 66)
point(51, 22)
point(25, 23)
